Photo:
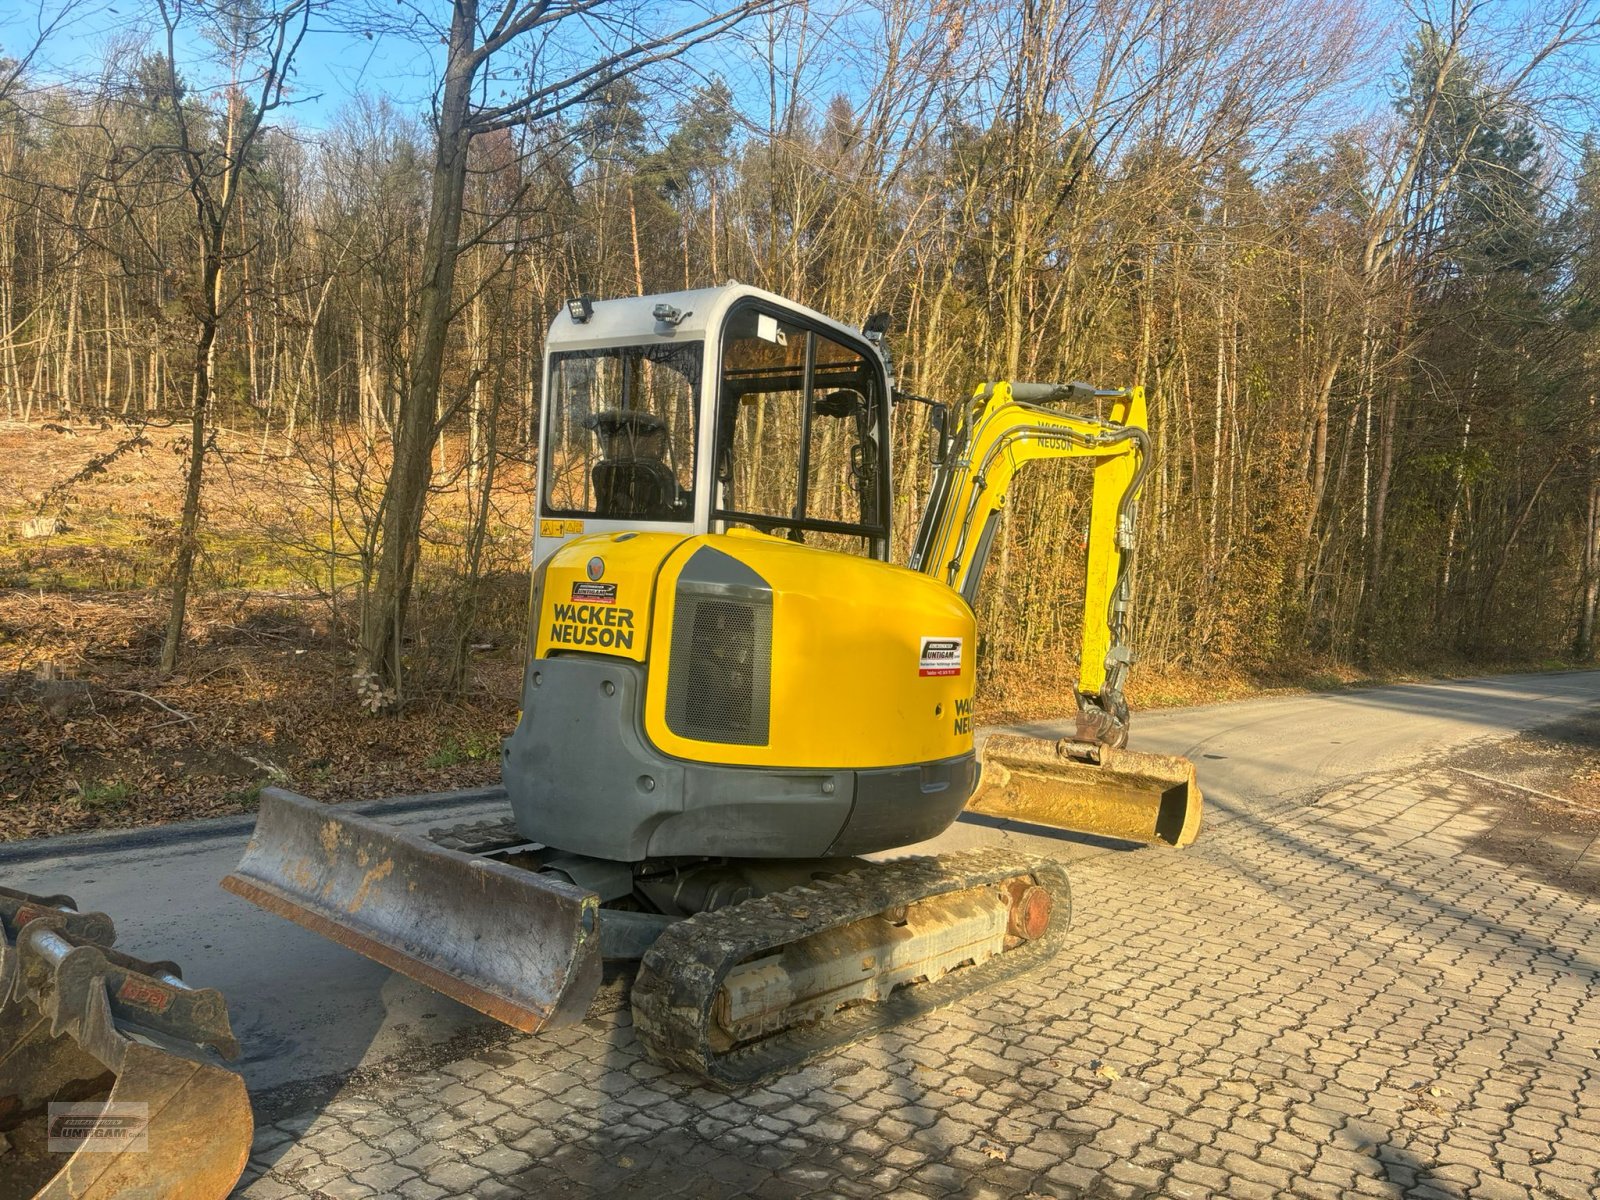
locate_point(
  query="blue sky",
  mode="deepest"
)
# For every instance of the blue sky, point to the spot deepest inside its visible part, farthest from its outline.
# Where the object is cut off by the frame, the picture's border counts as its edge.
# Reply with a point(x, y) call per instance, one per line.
point(331, 68)
point(337, 63)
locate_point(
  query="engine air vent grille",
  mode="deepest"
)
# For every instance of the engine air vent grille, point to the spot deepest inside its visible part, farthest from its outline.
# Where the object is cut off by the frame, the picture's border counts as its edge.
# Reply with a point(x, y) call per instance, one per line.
point(719, 682)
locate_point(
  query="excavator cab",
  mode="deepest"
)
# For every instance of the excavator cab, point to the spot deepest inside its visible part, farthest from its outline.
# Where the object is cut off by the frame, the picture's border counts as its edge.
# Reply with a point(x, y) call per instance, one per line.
point(705, 411)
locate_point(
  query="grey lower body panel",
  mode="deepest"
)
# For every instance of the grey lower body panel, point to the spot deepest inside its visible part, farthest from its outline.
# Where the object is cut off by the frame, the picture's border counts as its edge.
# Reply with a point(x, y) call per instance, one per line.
point(581, 776)
point(903, 805)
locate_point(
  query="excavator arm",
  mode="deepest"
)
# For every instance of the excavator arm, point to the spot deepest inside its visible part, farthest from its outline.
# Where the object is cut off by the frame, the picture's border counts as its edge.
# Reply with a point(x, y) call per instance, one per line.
point(1005, 427)
point(1087, 782)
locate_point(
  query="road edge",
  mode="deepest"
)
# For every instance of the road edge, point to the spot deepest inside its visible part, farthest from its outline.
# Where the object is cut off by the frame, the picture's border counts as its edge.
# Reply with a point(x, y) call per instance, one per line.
point(200, 829)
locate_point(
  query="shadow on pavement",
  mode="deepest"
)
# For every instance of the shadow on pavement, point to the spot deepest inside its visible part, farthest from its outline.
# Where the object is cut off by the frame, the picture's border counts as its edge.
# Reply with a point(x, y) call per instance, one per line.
point(1467, 919)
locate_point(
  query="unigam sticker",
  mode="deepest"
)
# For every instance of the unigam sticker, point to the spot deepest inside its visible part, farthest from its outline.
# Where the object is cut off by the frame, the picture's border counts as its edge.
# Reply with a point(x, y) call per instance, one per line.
point(940, 656)
point(594, 593)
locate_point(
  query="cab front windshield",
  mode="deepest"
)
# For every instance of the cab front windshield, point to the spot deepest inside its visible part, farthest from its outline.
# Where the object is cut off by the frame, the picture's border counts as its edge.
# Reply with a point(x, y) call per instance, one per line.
point(621, 432)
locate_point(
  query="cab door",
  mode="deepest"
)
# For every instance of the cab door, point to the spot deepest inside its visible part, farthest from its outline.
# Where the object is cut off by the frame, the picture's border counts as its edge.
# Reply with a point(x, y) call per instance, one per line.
point(801, 447)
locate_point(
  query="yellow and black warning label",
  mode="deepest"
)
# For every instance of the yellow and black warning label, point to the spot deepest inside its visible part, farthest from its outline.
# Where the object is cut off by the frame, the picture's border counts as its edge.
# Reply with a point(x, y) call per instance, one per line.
point(602, 625)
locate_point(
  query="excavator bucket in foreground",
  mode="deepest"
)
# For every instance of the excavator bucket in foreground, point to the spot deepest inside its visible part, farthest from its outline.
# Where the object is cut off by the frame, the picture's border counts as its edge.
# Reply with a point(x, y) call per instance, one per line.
point(1125, 794)
point(521, 947)
point(95, 1044)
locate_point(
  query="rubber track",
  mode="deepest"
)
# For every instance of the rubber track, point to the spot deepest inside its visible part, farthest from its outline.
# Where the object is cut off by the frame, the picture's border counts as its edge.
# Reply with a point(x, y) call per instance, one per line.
point(680, 976)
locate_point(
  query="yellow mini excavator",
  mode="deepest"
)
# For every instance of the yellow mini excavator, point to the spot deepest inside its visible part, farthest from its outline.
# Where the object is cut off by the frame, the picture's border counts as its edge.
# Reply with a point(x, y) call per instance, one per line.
point(732, 697)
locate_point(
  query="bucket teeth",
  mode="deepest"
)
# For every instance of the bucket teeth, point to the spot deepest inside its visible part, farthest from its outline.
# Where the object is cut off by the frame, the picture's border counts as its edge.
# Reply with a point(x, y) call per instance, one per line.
point(82, 1023)
point(1097, 790)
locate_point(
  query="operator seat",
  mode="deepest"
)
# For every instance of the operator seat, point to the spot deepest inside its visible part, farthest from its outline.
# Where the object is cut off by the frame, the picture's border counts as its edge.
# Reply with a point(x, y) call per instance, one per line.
point(632, 478)
point(634, 487)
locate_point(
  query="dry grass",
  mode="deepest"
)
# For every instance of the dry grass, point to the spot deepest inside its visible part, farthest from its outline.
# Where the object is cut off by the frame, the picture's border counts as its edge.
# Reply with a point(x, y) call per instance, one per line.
point(263, 698)
point(1561, 759)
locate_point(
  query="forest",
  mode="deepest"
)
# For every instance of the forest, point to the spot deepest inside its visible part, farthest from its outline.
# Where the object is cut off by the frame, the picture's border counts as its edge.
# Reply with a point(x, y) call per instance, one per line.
point(271, 370)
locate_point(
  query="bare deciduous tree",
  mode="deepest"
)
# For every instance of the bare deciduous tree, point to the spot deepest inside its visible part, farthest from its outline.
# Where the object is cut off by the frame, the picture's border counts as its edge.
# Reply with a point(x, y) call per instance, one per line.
point(618, 40)
point(263, 42)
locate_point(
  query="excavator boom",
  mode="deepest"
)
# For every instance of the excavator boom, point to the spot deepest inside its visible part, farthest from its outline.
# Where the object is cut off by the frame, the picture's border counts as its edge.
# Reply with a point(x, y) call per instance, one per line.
point(1086, 783)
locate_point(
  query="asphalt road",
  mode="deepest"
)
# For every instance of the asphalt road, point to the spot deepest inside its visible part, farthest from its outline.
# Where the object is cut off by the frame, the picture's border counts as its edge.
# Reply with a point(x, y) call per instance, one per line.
point(306, 1009)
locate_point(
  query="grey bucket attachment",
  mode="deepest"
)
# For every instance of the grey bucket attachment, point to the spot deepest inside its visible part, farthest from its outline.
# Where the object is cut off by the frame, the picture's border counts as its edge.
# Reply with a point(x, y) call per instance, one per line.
point(521, 947)
point(82, 1023)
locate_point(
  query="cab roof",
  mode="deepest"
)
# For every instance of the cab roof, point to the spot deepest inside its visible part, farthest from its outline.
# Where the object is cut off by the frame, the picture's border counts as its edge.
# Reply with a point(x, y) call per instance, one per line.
point(631, 319)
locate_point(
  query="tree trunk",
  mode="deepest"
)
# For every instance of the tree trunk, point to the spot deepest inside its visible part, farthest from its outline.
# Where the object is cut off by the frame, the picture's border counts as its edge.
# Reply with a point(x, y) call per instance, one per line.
point(189, 525)
point(383, 622)
point(1380, 508)
point(1589, 591)
point(213, 234)
point(633, 228)
point(1584, 649)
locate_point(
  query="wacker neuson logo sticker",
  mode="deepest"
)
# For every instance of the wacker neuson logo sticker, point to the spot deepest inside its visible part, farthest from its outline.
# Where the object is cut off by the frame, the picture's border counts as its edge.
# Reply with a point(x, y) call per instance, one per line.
point(113, 1127)
point(940, 656)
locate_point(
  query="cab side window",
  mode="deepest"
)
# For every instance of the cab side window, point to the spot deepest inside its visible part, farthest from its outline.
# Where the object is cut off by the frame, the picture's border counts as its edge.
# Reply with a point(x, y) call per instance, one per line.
point(799, 434)
point(763, 373)
point(842, 463)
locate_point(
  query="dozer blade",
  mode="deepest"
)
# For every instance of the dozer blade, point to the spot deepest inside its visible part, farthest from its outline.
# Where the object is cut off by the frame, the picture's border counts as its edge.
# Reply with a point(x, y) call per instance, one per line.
point(94, 1043)
point(521, 947)
point(1126, 794)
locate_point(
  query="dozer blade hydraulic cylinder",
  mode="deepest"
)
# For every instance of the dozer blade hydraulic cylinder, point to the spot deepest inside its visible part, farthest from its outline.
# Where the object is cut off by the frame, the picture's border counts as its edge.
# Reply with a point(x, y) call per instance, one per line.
point(129, 1042)
point(1118, 793)
point(521, 947)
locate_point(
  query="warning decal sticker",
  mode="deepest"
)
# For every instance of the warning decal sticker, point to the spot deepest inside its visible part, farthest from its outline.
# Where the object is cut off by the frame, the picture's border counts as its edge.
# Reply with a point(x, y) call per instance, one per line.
point(594, 593)
point(940, 656)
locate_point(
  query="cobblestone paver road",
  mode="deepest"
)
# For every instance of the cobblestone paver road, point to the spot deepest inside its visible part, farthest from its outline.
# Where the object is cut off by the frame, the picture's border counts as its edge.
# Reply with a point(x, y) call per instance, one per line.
point(1319, 999)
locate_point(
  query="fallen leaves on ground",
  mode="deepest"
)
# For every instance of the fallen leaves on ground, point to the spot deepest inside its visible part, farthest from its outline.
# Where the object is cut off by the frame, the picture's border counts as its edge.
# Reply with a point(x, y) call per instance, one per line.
point(91, 737)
